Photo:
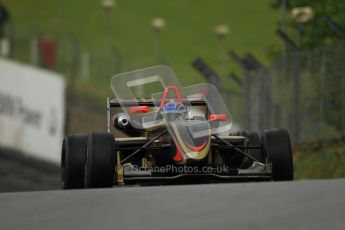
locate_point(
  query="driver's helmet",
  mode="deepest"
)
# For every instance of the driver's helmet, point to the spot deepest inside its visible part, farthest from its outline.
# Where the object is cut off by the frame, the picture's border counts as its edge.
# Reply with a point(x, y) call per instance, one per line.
point(173, 110)
point(174, 107)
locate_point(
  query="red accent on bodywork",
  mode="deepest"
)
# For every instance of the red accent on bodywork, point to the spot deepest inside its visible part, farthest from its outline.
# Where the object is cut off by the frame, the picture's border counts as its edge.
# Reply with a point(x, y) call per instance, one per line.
point(166, 90)
point(197, 148)
point(178, 156)
point(219, 117)
point(139, 109)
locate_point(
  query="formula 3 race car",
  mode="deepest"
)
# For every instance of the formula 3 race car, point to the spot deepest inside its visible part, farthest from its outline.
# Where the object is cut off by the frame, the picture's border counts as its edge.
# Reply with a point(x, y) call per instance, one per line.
point(174, 135)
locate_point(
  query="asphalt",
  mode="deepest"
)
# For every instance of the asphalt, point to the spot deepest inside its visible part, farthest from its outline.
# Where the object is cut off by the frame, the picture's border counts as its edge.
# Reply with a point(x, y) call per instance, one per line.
point(268, 205)
point(20, 172)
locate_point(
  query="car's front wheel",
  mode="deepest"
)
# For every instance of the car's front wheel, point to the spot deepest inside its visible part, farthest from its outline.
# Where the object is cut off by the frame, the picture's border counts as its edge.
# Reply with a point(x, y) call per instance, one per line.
point(277, 146)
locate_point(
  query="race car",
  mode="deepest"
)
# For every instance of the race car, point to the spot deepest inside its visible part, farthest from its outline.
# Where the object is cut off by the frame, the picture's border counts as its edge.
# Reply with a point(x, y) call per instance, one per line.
point(177, 135)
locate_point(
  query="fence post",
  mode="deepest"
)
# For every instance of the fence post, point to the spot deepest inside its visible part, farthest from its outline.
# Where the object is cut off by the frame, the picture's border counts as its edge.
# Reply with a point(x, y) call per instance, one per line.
point(264, 93)
point(322, 89)
point(210, 75)
point(341, 35)
point(85, 66)
point(75, 61)
point(246, 89)
point(34, 51)
point(296, 84)
point(118, 59)
point(296, 96)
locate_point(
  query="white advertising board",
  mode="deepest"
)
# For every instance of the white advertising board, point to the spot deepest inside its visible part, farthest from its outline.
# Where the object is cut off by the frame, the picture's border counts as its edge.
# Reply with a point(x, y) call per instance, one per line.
point(32, 110)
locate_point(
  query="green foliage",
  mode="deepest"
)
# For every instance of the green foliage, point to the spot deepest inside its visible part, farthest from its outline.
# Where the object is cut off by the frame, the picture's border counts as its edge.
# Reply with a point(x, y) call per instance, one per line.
point(189, 33)
point(316, 33)
point(327, 162)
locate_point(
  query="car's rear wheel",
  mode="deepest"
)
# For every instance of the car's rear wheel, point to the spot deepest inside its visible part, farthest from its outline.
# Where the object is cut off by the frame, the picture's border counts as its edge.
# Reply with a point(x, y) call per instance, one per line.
point(100, 160)
point(73, 160)
point(277, 145)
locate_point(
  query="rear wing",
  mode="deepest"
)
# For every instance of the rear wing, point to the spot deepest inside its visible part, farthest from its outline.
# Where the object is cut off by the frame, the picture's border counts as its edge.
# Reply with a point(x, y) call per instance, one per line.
point(118, 103)
point(159, 85)
point(149, 102)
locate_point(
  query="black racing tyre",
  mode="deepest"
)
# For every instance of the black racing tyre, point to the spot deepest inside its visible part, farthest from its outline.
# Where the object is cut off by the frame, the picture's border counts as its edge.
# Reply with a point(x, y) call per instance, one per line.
point(254, 141)
point(73, 158)
point(277, 145)
point(100, 160)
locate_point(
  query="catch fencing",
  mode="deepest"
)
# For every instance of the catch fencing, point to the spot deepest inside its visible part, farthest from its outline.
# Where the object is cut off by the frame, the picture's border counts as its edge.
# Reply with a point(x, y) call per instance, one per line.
point(303, 92)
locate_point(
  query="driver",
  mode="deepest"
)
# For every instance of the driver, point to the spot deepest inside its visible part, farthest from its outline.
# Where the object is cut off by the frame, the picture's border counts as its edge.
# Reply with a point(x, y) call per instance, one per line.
point(173, 110)
point(173, 106)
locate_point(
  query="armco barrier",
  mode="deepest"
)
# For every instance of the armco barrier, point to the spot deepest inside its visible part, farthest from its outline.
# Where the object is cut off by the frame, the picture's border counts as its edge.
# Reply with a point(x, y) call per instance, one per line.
point(32, 110)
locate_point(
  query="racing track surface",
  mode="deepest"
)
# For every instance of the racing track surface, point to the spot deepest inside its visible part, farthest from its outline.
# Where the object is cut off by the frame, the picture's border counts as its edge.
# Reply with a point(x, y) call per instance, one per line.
point(20, 172)
point(286, 205)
